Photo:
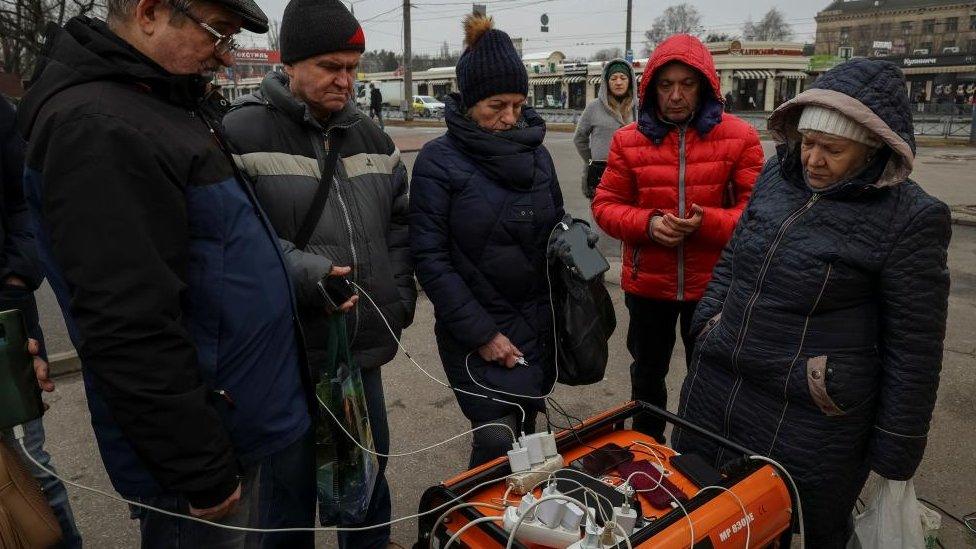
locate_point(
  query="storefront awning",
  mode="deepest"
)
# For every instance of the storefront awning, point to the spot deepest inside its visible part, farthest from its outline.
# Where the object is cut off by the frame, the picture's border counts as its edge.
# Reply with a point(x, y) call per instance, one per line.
point(596, 79)
point(544, 81)
point(752, 75)
point(437, 82)
point(574, 79)
point(792, 75)
point(939, 70)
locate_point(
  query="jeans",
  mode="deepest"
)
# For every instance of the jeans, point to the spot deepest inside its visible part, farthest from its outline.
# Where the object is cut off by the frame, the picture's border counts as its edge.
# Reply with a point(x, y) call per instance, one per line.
point(159, 531)
point(288, 494)
point(650, 340)
point(54, 491)
point(492, 442)
point(378, 112)
point(380, 505)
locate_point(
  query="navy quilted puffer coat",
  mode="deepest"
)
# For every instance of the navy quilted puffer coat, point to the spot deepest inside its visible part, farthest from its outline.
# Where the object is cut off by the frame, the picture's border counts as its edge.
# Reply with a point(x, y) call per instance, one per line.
point(821, 332)
point(482, 207)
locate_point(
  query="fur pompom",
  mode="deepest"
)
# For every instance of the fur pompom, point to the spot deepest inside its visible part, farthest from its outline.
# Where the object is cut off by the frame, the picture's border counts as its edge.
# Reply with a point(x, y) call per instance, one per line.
point(475, 26)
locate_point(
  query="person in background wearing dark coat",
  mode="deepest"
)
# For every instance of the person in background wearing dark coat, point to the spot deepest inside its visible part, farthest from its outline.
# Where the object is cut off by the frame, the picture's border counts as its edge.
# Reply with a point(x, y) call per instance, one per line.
point(485, 200)
point(361, 232)
point(729, 102)
point(376, 104)
point(20, 276)
point(820, 336)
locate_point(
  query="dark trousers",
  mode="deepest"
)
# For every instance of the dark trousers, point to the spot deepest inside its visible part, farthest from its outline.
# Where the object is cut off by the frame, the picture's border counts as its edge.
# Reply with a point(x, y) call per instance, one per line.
point(159, 531)
point(380, 505)
point(650, 340)
point(378, 113)
point(492, 442)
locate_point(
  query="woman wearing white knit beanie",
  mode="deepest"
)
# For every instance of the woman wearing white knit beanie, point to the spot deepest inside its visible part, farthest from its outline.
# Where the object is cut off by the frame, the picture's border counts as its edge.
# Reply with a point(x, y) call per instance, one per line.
point(820, 334)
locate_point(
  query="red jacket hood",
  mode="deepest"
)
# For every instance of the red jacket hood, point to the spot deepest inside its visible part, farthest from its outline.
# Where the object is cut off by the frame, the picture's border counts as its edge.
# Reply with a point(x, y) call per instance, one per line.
point(688, 50)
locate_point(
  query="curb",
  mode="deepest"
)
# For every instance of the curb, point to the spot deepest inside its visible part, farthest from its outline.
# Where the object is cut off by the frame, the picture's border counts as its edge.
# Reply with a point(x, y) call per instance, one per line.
point(964, 215)
point(63, 364)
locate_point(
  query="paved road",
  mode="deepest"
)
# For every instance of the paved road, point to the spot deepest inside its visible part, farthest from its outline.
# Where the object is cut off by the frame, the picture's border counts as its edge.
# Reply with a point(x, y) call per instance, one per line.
point(422, 413)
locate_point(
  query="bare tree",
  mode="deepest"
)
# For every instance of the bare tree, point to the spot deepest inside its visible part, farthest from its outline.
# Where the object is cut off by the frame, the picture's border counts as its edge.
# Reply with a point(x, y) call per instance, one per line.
point(274, 35)
point(720, 37)
point(23, 24)
point(607, 54)
point(772, 26)
point(683, 18)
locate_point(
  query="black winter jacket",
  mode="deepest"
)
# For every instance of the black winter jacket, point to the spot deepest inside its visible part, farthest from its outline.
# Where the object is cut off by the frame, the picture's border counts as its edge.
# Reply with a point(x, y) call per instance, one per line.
point(482, 209)
point(281, 148)
point(171, 280)
point(821, 332)
point(18, 256)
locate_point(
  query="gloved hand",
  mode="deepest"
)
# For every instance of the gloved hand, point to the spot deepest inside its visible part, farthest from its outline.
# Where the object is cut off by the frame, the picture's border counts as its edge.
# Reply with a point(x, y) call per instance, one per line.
point(559, 249)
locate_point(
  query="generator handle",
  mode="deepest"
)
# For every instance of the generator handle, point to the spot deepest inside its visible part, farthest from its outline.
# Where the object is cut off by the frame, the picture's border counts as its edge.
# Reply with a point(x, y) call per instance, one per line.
point(685, 424)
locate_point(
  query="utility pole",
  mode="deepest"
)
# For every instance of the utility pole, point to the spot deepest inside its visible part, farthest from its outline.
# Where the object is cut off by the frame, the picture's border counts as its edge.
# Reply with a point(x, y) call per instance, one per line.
point(407, 72)
point(630, 9)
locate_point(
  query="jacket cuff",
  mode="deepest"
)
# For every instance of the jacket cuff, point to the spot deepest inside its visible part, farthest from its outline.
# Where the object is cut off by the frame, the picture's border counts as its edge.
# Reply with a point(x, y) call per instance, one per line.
point(213, 496)
point(895, 456)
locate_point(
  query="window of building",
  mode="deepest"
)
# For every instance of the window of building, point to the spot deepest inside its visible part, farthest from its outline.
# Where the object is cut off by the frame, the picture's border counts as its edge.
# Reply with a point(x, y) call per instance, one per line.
point(845, 34)
point(884, 31)
point(906, 27)
point(972, 22)
point(971, 45)
point(952, 24)
point(949, 44)
point(928, 26)
point(927, 46)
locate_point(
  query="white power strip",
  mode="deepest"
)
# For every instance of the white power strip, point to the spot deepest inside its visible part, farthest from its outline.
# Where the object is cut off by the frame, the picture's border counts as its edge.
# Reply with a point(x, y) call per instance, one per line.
point(521, 483)
point(537, 532)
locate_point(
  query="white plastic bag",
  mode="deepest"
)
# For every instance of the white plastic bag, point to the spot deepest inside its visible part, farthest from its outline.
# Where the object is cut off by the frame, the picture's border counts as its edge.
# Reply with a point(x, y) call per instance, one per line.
point(891, 520)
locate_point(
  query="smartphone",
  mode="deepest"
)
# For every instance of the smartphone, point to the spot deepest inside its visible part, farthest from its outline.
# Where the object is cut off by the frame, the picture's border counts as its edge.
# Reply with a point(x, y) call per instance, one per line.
point(20, 397)
point(336, 290)
point(589, 263)
point(655, 487)
point(603, 459)
point(568, 482)
point(694, 468)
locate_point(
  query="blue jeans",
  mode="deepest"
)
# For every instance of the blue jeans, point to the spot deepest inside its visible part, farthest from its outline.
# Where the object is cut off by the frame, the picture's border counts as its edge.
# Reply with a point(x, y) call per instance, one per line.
point(159, 531)
point(54, 491)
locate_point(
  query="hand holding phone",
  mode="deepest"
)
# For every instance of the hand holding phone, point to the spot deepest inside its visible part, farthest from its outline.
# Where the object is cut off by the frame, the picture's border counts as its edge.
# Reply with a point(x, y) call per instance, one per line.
point(339, 293)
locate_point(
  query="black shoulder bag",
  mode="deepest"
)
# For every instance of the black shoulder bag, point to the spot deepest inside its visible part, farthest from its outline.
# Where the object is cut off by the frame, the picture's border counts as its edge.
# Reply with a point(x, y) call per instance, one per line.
point(315, 211)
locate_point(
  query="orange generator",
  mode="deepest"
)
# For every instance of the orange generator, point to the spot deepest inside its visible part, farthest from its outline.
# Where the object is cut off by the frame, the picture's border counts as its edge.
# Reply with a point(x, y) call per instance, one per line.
point(748, 504)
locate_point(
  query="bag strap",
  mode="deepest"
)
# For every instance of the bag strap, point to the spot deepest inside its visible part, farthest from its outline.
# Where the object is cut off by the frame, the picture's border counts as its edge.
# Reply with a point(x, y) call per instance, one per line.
point(315, 211)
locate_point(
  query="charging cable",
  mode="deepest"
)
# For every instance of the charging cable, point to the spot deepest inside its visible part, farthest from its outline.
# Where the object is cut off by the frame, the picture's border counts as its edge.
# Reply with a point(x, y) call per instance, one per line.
point(657, 482)
point(745, 512)
point(19, 436)
point(796, 492)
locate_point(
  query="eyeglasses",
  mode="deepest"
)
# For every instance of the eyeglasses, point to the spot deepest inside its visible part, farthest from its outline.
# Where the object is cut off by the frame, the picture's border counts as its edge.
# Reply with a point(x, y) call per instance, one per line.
point(225, 42)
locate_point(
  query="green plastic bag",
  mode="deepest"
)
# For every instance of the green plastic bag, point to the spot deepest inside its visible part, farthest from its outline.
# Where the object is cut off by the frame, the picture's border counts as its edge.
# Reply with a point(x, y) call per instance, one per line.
point(345, 472)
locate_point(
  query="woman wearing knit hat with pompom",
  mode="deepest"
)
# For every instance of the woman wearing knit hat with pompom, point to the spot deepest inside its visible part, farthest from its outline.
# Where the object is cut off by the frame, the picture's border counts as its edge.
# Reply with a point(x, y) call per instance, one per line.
point(484, 202)
point(820, 335)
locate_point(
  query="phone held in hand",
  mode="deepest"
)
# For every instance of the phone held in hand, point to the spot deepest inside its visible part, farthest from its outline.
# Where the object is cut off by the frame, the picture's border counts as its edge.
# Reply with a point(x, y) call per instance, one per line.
point(20, 397)
point(588, 262)
point(336, 290)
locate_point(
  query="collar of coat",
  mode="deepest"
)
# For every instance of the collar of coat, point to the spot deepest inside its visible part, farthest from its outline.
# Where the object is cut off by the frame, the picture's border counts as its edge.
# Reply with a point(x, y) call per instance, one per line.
point(276, 92)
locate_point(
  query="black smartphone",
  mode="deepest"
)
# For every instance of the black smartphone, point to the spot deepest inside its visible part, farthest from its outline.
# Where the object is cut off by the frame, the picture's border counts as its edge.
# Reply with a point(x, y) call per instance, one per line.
point(336, 290)
point(20, 397)
point(603, 459)
point(695, 469)
point(588, 262)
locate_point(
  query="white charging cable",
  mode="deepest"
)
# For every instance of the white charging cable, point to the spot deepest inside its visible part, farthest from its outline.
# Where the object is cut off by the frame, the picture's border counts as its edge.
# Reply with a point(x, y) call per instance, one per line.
point(657, 481)
point(745, 512)
point(457, 535)
point(796, 492)
point(555, 338)
point(421, 368)
point(19, 435)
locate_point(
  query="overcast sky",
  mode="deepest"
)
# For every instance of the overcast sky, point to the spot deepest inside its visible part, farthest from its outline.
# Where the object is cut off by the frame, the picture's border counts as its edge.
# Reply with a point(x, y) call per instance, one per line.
point(576, 27)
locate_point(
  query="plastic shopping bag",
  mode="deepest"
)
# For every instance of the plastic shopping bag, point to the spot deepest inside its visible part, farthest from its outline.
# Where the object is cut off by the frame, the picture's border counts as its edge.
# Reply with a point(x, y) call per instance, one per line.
point(891, 520)
point(345, 472)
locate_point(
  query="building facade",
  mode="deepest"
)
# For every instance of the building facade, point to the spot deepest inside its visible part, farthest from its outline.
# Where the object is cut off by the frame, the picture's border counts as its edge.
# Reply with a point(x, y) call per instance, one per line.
point(250, 67)
point(933, 41)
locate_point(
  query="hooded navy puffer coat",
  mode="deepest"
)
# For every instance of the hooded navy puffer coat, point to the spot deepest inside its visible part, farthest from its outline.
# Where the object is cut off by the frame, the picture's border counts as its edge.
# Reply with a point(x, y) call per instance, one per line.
point(821, 332)
point(482, 208)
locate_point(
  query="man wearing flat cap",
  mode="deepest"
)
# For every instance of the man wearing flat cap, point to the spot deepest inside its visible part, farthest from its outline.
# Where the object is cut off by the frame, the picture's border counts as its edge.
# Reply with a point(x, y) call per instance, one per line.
point(172, 282)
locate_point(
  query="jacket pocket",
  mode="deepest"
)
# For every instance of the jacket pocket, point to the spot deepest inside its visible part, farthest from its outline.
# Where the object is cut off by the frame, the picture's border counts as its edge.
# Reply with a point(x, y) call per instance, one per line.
point(817, 383)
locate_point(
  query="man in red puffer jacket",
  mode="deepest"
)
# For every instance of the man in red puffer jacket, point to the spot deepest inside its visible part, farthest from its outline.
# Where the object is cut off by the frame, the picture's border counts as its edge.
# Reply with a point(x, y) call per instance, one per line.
point(675, 184)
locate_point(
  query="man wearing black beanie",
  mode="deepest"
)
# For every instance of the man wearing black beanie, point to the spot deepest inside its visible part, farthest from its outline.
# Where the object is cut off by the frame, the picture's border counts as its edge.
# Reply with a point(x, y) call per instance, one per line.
point(301, 131)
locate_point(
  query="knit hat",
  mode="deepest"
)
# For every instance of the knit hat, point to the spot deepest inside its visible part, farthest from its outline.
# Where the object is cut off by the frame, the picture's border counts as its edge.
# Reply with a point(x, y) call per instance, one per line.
point(617, 67)
point(490, 65)
point(315, 27)
point(822, 119)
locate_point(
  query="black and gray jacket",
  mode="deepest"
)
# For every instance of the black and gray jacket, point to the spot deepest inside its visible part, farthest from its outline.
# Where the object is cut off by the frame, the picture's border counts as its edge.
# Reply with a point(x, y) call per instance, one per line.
point(281, 147)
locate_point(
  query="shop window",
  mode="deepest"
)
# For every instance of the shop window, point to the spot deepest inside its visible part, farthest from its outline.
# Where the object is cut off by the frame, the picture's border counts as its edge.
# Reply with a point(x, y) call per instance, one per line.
point(906, 28)
point(952, 24)
point(971, 45)
point(972, 22)
point(928, 26)
point(884, 31)
point(845, 34)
